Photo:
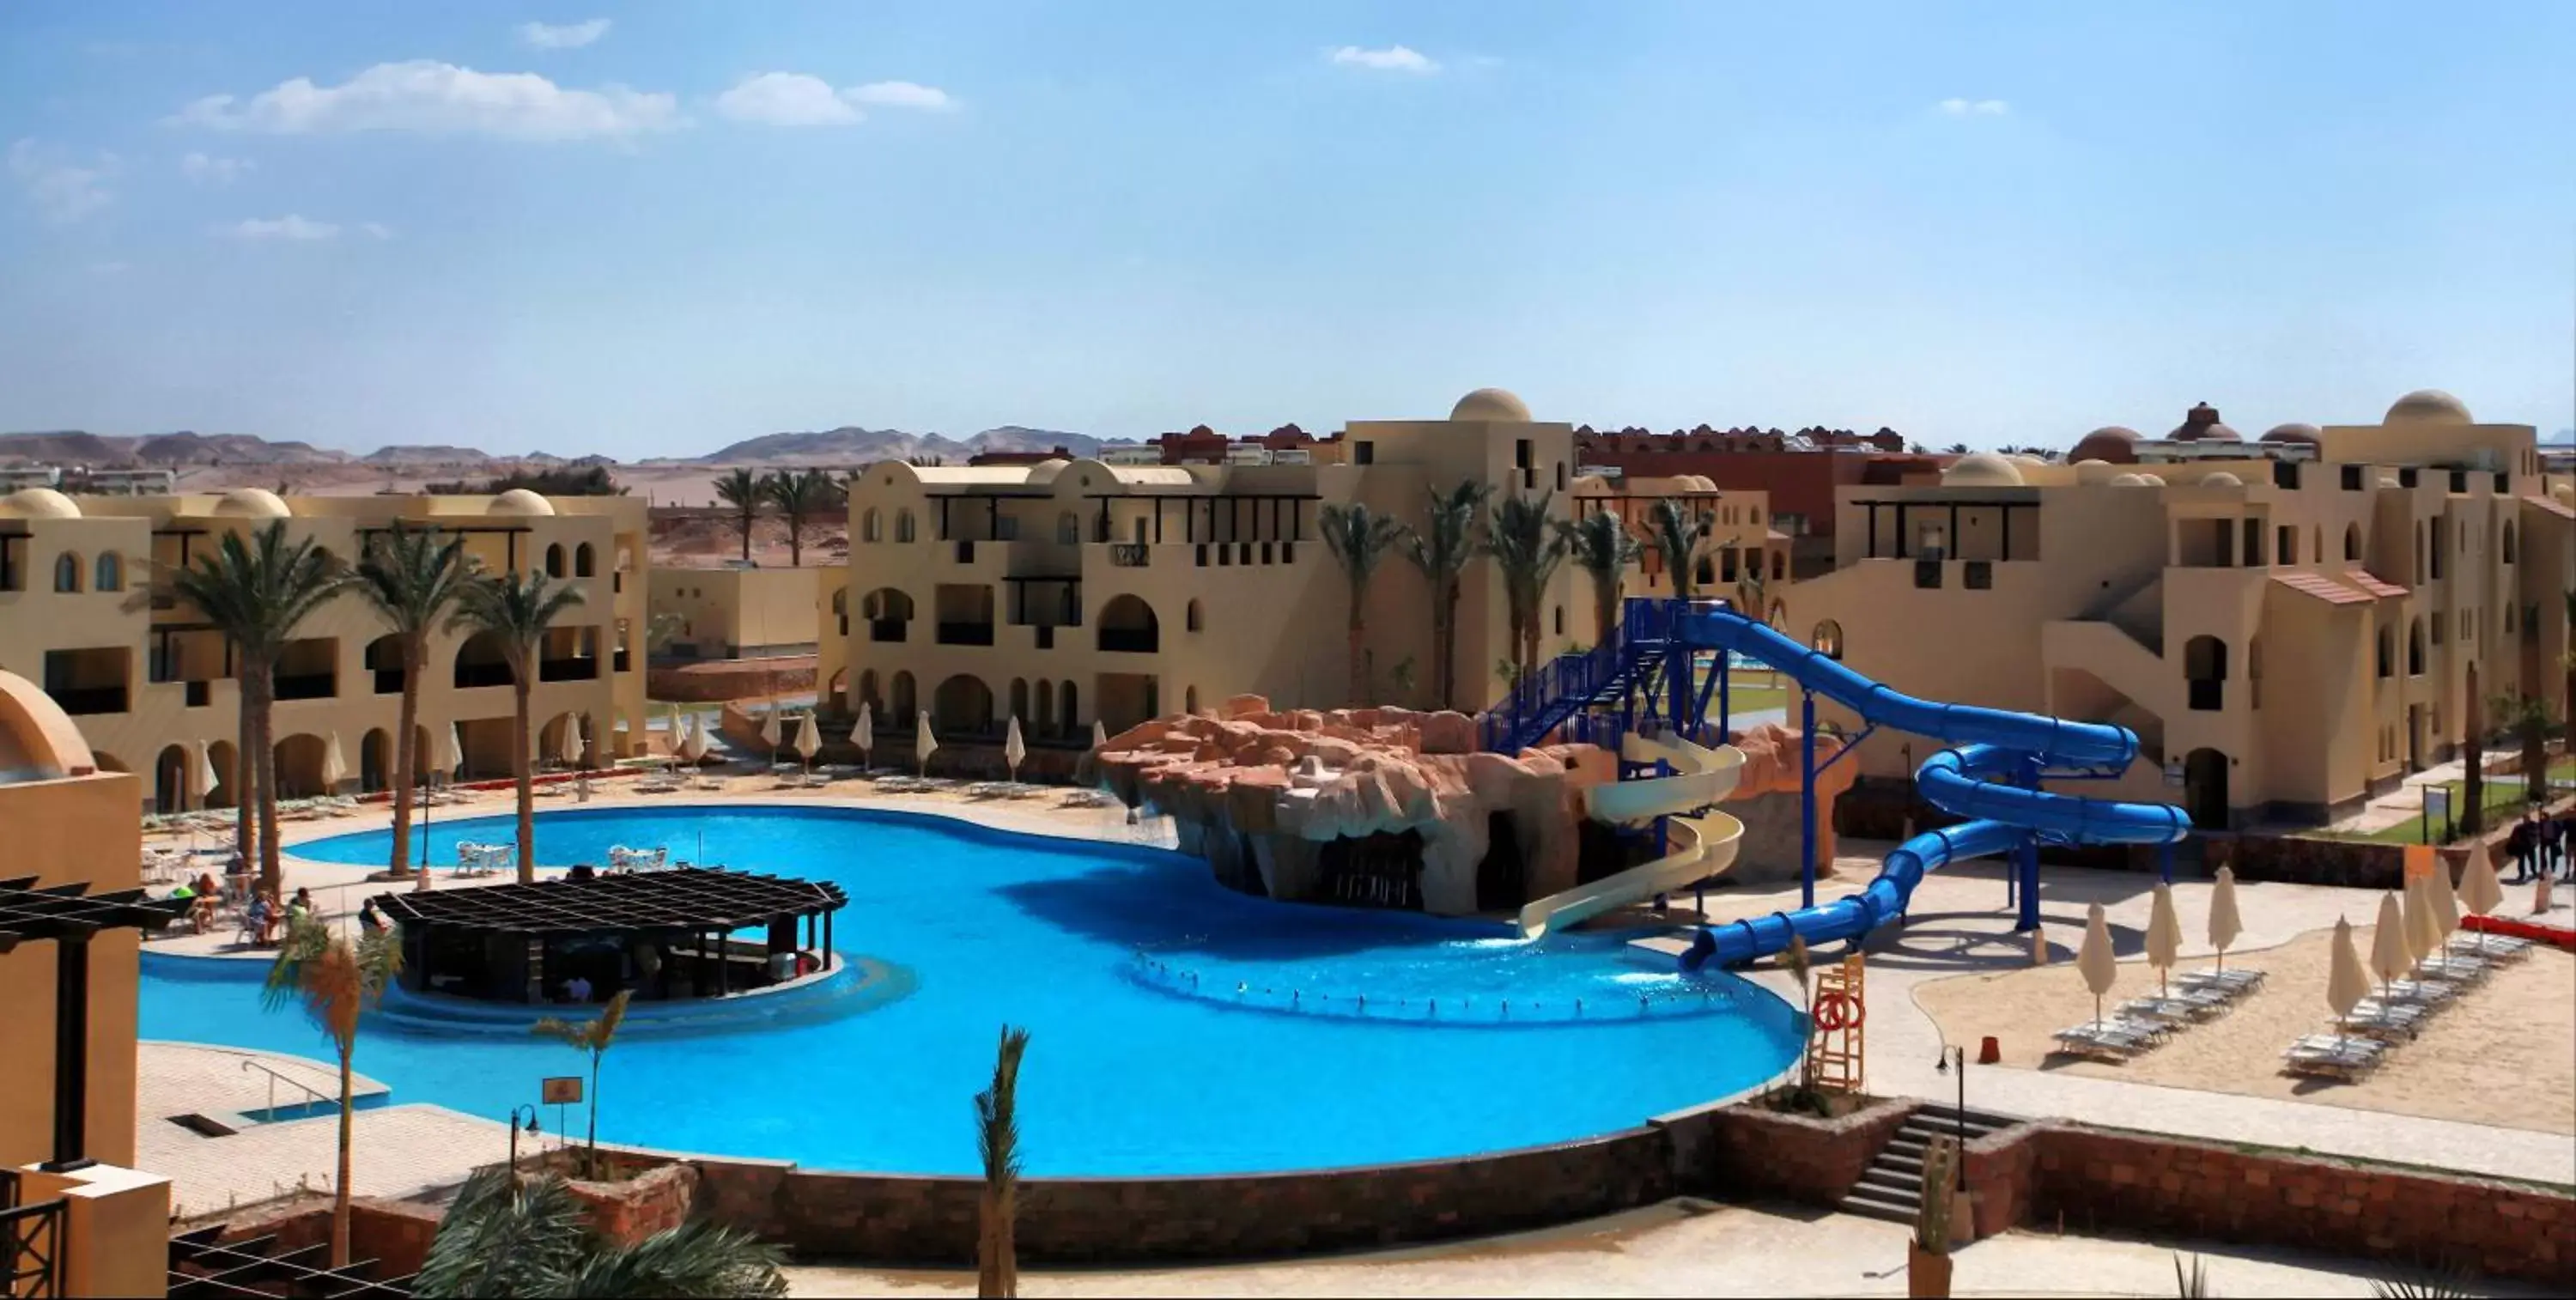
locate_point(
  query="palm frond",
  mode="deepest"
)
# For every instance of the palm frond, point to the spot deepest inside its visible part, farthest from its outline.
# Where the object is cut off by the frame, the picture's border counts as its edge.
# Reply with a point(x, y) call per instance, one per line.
point(518, 608)
point(502, 1239)
point(414, 577)
point(1358, 538)
point(698, 1258)
point(1675, 528)
point(997, 1130)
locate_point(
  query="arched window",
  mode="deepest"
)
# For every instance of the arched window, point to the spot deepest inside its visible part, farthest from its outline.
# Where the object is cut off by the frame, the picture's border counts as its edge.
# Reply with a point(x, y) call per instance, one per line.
point(2508, 543)
point(67, 572)
point(2415, 646)
point(1195, 623)
point(1068, 528)
point(1190, 700)
point(1560, 620)
point(1069, 714)
point(2352, 541)
point(111, 573)
point(903, 525)
point(2387, 651)
point(2204, 663)
point(1128, 625)
point(906, 703)
point(1828, 639)
point(585, 561)
point(555, 560)
point(872, 526)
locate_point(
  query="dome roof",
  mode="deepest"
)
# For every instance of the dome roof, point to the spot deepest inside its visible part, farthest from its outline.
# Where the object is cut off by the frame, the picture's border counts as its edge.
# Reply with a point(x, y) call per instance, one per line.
point(2201, 424)
point(2222, 479)
point(2293, 432)
point(2112, 443)
point(1490, 406)
point(519, 501)
point(1981, 469)
point(2130, 480)
point(2096, 471)
point(2563, 495)
point(1044, 471)
point(2428, 406)
point(252, 503)
point(38, 503)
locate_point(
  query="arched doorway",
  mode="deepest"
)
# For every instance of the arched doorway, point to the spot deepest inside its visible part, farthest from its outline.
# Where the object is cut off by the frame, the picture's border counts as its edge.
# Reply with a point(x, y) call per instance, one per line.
point(227, 791)
point(963, 705)
point(299, 766)
point(375, 761)
point(2204, 788)
point(170, 779)
point(1127, 624)
point(905, 701)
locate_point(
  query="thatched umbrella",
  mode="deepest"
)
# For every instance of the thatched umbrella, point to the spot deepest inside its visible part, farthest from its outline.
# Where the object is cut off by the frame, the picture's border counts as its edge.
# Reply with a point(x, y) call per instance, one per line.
point(2164, 937)
point(2346, 982)
point(2224, 925)
point(2094, 960)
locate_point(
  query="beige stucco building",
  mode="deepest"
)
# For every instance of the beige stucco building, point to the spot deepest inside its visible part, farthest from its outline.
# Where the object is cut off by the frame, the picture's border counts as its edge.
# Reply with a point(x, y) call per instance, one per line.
point(2287, 623)
point(85, 610)
point(735, 613)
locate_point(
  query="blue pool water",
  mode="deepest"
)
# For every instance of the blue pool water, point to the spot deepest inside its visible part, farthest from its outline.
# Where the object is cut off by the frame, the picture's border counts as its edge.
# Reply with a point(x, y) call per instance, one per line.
point(1125, 963)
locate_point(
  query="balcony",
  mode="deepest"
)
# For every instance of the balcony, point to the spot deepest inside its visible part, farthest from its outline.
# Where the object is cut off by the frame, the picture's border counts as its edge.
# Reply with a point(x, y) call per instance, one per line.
point(965, 634)
point(1130, 555)
point(493, 673)
point(90, 699)
point(389, 681)
point(308, 686)
point(1130, 640)
point(582, 668)
point(886, 629)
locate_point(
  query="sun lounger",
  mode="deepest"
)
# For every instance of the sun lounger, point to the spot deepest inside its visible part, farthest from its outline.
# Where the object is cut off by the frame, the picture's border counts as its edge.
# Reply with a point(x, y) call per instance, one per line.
point(2427, 993)
point(2455, 969)
point(2175, 1011)
point(2391, 1021)
point(2109, 1040)
point(2328, 1056)
point(2492, 947)
point(2228, 983)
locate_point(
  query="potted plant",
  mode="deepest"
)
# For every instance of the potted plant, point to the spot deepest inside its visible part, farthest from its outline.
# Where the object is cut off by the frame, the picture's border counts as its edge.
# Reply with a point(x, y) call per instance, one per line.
point(1927, 1257)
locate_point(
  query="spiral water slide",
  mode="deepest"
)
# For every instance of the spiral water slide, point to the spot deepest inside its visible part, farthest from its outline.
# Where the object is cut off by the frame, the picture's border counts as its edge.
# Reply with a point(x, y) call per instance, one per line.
point(1696, 847)
point(1988, 745)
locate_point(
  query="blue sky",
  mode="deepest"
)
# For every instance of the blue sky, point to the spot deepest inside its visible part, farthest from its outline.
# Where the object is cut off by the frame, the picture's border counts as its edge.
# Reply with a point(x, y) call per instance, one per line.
point(657, 228)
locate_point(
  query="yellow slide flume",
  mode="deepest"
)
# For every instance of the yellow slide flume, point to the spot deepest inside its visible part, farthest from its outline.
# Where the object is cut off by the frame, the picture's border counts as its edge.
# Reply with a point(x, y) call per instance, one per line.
point(1701, 846)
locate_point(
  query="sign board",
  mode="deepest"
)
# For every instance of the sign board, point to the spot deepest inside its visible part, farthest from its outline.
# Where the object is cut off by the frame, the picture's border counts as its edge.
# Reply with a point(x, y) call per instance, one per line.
point(2420, 858)
point(2173, 772)
point(564, 1090)
point(2437, 805)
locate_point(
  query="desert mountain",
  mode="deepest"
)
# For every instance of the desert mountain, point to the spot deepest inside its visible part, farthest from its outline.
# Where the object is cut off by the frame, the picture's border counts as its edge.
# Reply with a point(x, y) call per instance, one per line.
point(73, 447)
point(851, 445)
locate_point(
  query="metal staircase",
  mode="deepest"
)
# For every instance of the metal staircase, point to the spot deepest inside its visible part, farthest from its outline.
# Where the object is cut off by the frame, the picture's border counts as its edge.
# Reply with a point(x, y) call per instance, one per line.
point(1563, 691)
point(1892, 1187)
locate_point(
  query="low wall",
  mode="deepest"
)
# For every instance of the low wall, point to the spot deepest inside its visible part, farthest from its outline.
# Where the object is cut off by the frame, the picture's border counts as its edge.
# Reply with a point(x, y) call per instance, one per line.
point(932, 1221)
point(1748, 1151)
point(395, 1234)
point(2358, 864)
point(2099, 1180)
point(656, 1200)
point(711, 680)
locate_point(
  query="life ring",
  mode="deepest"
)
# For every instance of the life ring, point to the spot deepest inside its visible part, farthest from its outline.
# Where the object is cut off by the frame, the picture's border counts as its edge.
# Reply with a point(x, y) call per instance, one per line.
point(1839, 1011)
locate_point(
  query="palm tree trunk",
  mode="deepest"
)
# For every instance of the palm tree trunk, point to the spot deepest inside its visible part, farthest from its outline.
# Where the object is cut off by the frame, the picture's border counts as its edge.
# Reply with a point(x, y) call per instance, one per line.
point(1445, 643)
point(415, 657)
point(795, 541)
point(1357, 629)
point(245, 734)
point(747, 518)
point(340, 1187)
point(526, 786)
point(1605, 612)
point(272, 873)
point(590, 1157)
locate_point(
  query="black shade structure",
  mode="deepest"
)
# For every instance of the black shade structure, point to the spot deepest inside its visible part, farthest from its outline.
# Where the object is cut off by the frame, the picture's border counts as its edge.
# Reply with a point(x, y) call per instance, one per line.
point(656, 934)
point(71, 916)
point(202, 1266)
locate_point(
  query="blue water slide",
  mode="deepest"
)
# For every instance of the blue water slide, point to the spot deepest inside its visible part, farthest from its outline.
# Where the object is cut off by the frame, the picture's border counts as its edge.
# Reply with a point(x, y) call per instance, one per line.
point(1988, 744)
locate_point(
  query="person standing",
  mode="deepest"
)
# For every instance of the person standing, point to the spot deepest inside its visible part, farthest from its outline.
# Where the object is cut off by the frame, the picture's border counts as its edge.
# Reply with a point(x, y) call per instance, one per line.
point(2517, 846)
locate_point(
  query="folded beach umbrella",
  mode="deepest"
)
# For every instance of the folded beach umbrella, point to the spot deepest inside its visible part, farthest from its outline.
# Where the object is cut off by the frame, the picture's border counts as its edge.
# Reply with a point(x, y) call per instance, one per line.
point(2442, 902)
point(924, 744)
point(2388, 956)
point(809, 738)
point(1013, 748)
point(769, 733)
point(572, 745)
point(2480, 891)
point(863, 733)
point(452, 759)
point(335, 768)
point(201, 772)
point(2224, 924)
point(699, 741)
point(2164, 937)
point(2094, 960)
point(2423, 935)
point(2346, 982)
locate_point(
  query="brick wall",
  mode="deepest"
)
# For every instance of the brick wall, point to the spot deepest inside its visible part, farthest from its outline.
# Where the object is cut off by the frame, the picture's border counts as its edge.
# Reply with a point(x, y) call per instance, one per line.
point(396, 1234)
point(2097, 1180)
point(655, 1200)
point(1749, 1152)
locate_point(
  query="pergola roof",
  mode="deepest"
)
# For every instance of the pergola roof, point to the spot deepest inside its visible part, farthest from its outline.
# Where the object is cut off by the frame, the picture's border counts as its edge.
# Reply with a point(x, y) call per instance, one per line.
point(28, 914)
point(686, 898)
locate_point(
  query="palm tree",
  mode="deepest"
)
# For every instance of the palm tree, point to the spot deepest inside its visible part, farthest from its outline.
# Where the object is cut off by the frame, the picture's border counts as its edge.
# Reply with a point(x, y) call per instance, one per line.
point(1526, 550)
point(997, 1139)
point(413, 579)
point(1358, 539)
point(800, 495)
point(503, 1239)
point(1674, 530)
point(592, 1036)
point(2473, 777)
point(743, 490)
point(256, 593)
point(518, 608)
point(335, 981)
point(2527, 719)
point(1442, 549)
point(1602, 547)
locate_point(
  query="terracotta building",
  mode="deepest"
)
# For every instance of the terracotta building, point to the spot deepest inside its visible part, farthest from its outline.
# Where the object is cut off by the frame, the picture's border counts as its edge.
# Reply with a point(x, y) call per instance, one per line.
point(1798, 473)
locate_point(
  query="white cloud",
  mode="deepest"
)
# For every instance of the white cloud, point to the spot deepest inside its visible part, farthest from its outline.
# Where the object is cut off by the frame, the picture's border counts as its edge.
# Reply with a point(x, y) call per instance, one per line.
point(562, 36)
point(786, 99)
point(206, 169)
point(289, 227)
point(64, 191)
point(1394, 58)
point(1974, 107)
point(376, 230)
point(900, 94)
point(428, 96)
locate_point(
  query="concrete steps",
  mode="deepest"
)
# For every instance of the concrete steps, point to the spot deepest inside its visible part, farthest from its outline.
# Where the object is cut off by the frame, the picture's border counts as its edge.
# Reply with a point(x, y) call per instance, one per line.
point(1892, 1187)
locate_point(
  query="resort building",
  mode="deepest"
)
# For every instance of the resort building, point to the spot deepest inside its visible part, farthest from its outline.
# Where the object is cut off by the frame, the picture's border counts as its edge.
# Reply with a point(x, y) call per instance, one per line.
point(87, 609)
point(1799, 473)
point(737, 613)
point(2287, 623)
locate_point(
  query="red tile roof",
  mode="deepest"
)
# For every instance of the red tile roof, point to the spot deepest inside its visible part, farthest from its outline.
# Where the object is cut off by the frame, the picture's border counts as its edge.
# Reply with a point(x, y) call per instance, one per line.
point(2373, 583)
point(2321, 587)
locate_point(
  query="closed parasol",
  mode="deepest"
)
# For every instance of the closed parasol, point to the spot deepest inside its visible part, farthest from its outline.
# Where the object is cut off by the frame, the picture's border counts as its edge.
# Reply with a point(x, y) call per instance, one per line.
point(2094, 960)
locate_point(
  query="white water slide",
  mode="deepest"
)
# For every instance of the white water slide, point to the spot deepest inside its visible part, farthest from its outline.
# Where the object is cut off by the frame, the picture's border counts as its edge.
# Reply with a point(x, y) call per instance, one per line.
point(1701, 846)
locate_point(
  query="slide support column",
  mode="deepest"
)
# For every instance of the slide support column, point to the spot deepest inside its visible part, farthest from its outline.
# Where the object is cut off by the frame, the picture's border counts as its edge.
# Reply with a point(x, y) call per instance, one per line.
point(2027, 860)
point(1807, 799)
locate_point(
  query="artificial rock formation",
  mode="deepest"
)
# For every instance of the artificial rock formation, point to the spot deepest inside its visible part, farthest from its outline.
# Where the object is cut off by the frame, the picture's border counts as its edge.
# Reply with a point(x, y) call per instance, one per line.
point(1259, 793)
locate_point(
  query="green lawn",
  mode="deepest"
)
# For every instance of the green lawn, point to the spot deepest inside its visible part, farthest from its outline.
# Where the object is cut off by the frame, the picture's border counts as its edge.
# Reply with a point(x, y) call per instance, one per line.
point(2503, 800)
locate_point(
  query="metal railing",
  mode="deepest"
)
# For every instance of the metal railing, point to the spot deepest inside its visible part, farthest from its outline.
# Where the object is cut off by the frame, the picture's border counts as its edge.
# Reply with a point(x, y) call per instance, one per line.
point(31, 1243)
point(1558, 690)
point(319, 1097)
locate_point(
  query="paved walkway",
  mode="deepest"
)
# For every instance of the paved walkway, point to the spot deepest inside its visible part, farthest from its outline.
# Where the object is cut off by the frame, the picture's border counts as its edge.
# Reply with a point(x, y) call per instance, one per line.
point(1681, 1248)
point(1959, 924)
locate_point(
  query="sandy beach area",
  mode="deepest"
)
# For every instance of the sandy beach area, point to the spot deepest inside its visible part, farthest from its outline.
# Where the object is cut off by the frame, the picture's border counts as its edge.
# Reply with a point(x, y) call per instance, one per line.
point(2503, 1053)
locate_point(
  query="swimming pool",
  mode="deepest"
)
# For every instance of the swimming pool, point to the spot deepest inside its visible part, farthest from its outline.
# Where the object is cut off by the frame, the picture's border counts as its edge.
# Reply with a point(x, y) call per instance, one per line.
point(1124, 964)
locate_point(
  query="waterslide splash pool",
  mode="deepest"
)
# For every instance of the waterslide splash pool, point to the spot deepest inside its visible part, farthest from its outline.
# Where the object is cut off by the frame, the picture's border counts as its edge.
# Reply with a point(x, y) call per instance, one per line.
point(1123, 962)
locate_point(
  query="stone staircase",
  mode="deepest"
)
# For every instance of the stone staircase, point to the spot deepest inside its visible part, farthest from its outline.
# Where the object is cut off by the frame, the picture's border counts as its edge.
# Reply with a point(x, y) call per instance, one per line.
point(1891, 1188)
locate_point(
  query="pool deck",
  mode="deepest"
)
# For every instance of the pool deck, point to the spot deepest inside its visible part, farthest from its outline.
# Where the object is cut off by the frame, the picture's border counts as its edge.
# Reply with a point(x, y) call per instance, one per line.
point(1959, 925)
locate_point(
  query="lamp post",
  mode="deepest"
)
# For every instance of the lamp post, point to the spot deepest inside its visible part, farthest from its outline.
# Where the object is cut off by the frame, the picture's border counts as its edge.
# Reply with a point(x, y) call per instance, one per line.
point(1960, 1055)
point(531, 1109)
